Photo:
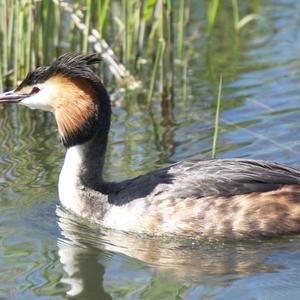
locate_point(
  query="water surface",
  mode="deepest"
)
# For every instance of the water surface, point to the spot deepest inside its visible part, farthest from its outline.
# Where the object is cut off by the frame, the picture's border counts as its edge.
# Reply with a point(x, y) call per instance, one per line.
point(46, 253)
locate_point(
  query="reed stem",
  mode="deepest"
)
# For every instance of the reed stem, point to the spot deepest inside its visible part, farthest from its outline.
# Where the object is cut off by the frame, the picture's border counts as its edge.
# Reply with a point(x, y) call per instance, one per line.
point(87, 26)
point(212, 10)
point(180, 29)
point(216, 131)
point(158, 57)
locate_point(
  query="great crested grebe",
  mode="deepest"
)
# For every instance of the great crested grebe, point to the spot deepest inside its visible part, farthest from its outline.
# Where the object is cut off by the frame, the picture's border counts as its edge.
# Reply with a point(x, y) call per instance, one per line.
point(225, 198)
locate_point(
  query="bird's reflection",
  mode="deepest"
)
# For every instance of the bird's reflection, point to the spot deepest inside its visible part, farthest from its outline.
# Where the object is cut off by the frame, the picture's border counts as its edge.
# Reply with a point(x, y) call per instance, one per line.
point(85, 246)
point(83, 274)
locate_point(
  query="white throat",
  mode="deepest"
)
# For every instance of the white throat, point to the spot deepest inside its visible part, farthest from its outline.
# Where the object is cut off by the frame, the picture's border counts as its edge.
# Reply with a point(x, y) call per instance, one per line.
point(69, 183)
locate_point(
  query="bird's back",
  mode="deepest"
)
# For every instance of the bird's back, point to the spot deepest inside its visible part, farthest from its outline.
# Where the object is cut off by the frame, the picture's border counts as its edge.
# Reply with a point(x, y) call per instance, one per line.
point(231, 198)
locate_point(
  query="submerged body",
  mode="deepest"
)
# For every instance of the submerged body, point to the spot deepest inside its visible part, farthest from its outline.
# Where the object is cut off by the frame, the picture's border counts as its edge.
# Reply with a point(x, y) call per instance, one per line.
point(230, 198)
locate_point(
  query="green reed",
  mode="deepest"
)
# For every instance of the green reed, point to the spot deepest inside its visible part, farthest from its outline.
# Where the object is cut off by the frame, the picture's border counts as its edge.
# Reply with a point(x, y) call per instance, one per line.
point(212, 9)
point(87, 26)
point(235, 11)
point(33, 32)
point(103, 12)
point(180, 38)
point(216, 131)
point(1, 83)
point(143, 36)
point(159, 54)
point(238, 23)
point(2, 51)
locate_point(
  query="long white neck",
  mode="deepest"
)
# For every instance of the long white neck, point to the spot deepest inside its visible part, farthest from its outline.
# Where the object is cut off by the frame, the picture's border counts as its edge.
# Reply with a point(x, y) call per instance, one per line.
point(69, 179)
point(81, 187)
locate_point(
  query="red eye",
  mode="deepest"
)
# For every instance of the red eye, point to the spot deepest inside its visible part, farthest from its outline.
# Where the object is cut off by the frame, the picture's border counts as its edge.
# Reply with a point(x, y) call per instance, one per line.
point(35, 90)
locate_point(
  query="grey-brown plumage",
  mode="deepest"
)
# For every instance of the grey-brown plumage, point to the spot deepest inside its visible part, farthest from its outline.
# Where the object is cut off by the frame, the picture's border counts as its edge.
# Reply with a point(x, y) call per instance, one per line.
point(211, 178)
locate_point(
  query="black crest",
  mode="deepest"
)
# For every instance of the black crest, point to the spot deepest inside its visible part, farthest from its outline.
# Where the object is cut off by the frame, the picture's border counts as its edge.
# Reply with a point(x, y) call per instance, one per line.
point(37, 76)
point(69, 65)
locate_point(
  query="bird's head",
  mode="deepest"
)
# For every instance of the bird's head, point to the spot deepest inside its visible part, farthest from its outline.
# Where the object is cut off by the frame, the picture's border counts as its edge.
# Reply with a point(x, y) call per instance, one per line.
point(72, 91)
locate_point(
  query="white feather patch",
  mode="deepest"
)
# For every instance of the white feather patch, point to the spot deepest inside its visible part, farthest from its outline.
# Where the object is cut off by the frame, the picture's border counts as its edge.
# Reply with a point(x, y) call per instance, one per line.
point(68, 184)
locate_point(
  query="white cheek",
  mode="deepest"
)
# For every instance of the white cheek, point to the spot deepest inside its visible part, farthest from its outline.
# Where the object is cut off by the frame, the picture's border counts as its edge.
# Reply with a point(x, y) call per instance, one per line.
point(42, 100)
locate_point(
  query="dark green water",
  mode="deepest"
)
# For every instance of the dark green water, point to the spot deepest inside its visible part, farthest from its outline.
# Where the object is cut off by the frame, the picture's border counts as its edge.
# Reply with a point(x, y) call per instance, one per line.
point(47, 254)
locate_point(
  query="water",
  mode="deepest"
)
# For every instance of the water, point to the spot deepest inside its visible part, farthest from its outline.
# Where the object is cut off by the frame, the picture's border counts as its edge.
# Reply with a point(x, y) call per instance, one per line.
point(46, 253)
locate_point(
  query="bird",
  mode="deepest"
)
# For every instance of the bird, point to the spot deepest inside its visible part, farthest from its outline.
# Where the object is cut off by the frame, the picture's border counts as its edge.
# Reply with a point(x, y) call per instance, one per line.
point(200, 199)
